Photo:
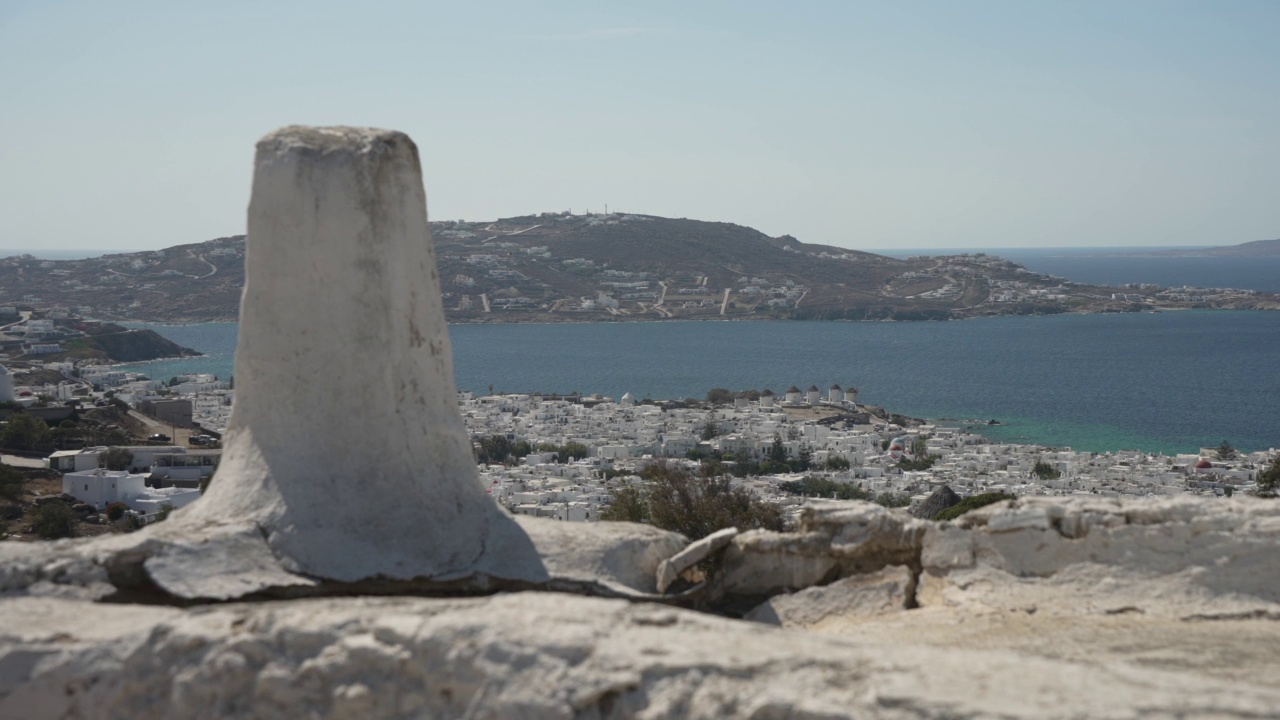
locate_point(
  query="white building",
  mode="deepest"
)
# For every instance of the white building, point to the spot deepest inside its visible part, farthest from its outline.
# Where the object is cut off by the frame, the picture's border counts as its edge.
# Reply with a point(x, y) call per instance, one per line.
point(40, 328)
point(100, 488)
point(43, 348)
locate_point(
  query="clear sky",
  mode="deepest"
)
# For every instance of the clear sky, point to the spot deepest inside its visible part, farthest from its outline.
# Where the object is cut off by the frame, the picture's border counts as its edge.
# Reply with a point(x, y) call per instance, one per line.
point(131, 125)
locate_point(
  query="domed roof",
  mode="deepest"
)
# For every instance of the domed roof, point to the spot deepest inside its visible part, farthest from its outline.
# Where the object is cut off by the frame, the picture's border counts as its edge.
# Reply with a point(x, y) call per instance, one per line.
point(1203, 464)
point(792, 389)
point(835, 387)
point(767, 393)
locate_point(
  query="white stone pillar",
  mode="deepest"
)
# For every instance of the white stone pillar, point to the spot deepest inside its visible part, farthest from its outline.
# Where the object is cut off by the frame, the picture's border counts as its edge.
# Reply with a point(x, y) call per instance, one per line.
point(345, 444)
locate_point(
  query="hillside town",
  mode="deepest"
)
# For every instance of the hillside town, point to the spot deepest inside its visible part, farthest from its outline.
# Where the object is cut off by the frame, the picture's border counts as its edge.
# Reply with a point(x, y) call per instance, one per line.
point(823, 434)
point(563, 457)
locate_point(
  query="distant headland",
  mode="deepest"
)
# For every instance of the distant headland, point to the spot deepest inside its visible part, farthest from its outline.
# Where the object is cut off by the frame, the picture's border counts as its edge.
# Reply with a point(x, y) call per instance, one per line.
point(561, 267)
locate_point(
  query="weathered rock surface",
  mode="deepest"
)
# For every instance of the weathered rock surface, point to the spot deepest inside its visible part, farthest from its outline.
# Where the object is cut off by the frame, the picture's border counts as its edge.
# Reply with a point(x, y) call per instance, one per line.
point(1180, 557)
point(834, 540)
point(669, 570)
point(1041, 607)
point(535, 655)
point(884, 591)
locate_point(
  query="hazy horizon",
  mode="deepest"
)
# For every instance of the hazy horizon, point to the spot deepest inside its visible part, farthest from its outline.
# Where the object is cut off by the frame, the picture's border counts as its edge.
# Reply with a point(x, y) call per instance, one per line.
point(82, 254)
point(995, 124)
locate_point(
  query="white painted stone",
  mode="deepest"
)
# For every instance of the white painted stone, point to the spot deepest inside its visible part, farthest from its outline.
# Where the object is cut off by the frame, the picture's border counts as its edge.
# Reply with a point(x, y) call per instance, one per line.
point(345, 459)
point(345, 445)
point(696, 552)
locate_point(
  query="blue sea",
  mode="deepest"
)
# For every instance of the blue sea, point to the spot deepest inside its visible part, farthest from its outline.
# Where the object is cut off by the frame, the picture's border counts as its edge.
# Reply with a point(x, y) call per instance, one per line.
point(1168, 382)
point(1120, 265)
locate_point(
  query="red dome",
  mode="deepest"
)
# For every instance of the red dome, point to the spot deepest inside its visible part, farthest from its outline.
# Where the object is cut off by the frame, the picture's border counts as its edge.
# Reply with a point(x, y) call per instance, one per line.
point(1203, 464)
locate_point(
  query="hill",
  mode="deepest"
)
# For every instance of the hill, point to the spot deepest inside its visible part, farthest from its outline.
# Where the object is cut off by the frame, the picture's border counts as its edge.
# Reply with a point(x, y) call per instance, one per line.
point(558, 267)
point(1257, 248)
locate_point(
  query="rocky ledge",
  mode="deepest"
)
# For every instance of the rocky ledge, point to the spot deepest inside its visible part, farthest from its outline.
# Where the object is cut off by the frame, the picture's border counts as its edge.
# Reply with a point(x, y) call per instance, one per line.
point(1040, 607)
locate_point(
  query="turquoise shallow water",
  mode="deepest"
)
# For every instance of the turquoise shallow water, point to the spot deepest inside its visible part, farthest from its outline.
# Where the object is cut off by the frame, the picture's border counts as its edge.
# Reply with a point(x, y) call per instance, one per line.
point(1168, 382)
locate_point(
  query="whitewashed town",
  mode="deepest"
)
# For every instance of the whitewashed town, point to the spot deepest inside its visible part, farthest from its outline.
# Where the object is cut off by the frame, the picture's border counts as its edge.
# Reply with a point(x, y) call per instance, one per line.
point(564, 457)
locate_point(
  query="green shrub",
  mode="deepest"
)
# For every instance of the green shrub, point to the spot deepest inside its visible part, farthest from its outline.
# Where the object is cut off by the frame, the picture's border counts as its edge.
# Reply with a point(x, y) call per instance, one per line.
point(811, 486)
point(972, 502)
point(1045, 471)
point(835, 462)
point(893, 499)
point(1269, 479)
point(693, 506)
point(116, 510)
point(116, 459)
point(53, 520)
point(10, 483)
point(920, 463)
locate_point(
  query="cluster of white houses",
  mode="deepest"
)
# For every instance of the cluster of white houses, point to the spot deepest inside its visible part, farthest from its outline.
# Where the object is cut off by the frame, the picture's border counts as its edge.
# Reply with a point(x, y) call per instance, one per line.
point(155, 476)
point(624, 436)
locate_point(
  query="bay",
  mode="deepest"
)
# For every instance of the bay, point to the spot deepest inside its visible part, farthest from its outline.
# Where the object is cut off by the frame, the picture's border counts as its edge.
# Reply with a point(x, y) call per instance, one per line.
point(1167, 382)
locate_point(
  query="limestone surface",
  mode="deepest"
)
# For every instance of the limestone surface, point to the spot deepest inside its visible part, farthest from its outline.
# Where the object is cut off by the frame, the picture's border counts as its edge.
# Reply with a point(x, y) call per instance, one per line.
point(538, 655)
point(696, 552)
point(890, 590)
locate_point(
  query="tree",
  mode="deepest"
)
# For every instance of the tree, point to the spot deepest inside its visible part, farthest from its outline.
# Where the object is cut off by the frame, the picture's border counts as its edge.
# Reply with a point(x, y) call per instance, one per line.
point(778, 451)
point(1226, 452)
point(835, 463)
point(10, 483)
point(572, 451)
point(893, 499)
point(694, 506)
point(811, 486)
point(1045, 471)
point(709, 429)
point(628, 505)
point(920, 446)
point(25, 432)
point(116, 458)
point(53, 520)
point(972, 502)
point(919, 463)
point(719, 396)
point(804, 459)
point(116, 510)
point(1269, 480)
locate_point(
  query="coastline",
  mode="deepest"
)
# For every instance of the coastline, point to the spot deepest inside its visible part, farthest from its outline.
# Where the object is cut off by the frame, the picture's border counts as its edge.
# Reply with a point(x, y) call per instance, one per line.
point(613, 320)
